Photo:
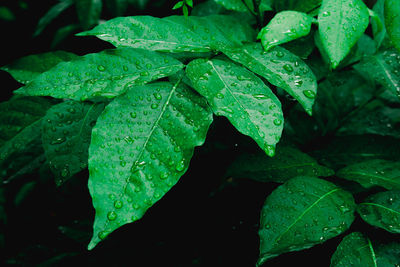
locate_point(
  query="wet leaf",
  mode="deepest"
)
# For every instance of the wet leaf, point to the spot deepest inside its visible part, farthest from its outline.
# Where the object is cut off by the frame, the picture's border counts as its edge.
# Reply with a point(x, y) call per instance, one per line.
point(89, 12)
point(392, 21)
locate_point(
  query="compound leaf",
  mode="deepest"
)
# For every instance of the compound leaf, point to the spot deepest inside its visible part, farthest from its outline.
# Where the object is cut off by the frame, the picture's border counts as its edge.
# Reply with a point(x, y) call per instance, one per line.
point(141, 145)
point(26, 69)
point(341, 24)
point(281, 68)
point(376, 172)
point(303, 212)
point(285, 27)
point(392, 21)
point(66, 132)
point(288, 163)
point(382, 67)
point(354, 250)
point(174, 33)
point(236, 93)
point(89, 12)
point(382, 210)
point(105, 74)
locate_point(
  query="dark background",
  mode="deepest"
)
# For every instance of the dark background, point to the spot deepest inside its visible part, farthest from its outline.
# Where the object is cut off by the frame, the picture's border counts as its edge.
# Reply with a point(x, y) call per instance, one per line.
point(205, 220)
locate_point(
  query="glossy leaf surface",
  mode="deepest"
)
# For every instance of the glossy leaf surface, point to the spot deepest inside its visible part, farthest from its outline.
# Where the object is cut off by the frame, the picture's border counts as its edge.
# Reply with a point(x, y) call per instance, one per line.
point(281, 68)
point(285, 27)
point(141, 145)
point(354, 250)
point(236, 5)
point(382, 210)
point(236, 93)
point(287, 163)
point(392, 21)
point(341, 24)
point(102, 75)
point(66, 133)
point(303, 212)
point(28, 68)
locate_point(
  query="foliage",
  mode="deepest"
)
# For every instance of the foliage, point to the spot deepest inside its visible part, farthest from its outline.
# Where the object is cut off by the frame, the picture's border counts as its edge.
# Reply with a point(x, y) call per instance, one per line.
point(314, 108)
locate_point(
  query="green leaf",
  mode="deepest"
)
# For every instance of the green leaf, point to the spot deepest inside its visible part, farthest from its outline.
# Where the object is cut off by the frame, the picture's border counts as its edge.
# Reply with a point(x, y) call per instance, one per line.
point(89, 12)
point(298, 5)
point(382, 210)
point(266, 5)
point(388, 254)
point(141, 145)
point(302, 47)
point(178, 5)
point(303, 212)
point(375, 172)
point(346, 150)
point(236, 5)
point(26, 69)
point(51, 15)
point(281, 68)
point(242, 97)
point(192, 34)
point(378, 22)
point(66, 132)
point(341, 24)
point(117, 7)
point(354, 250)
point(382, 67)
point(392, 21)
point(104, 74)
point(287, 163)
point(63, 33)
point(285, 27)
point(207, 8)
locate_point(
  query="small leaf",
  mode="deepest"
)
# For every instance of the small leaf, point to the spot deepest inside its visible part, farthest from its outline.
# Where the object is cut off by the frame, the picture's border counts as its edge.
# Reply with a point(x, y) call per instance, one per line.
point(341, 24)
point(376, 172)
point(105, 74)
point(392, 21)
point(382, 210)
point(288, 163)
point(141, 145)
point(51, 15)
point(236, 93)
point(25, 69)
point(285, 27)
point(354, 250)
point(382, 67)
point(303, 212)
point(66, 132)
point(178, 5)
point(281, 68)
point(89, 12)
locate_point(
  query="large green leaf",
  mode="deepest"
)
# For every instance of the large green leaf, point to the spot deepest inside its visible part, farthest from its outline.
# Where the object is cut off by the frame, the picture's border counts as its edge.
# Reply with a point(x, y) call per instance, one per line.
point(341, 24)
point(382, 210)
point(285, 27)
point(281, 68)
point(346, 150)
point(354, 250)
point(141, 145)
point(376, 172)
point(89, 12)
point(105, 74)
point(174, 33)
point(383, 68)
point(392, 21)
point(303, 212)
point(288, 162)
point(298, 5)
point(236, 93)
point(66, 132)
point(25, 69)
point(53, 12)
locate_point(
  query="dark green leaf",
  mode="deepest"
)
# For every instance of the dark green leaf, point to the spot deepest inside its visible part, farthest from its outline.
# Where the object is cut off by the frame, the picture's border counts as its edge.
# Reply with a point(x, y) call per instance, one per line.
point(207, 8)
point(26, 69)
point(141, 145)
point(303, 212)
point(378, 22)
point(341, 24)
point(236, 5)
point(117, 7)
point(24, 192)
point(302, 47)
point(66, 132)
point(392, 21)
point(375, 172)
point(383, 68)
point(285, 27)
point(89, 12)
point(354, 250)
point(388, 254)
point(104, 74)
point(298, 5)
point(236, 93)
point(281, 68)
point(51, 15)
point(382, 210)
point(63, 33)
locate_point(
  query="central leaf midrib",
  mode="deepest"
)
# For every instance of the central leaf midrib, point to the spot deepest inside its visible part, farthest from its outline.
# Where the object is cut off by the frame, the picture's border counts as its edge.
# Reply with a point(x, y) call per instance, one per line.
point(373, 176)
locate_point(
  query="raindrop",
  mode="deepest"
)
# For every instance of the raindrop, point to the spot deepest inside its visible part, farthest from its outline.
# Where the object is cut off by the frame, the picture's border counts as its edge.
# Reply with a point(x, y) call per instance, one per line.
point(101, 68)
point(277, 122)
point(309, 94)
point(288, 68)
point(112, 215)
point(118, 204)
